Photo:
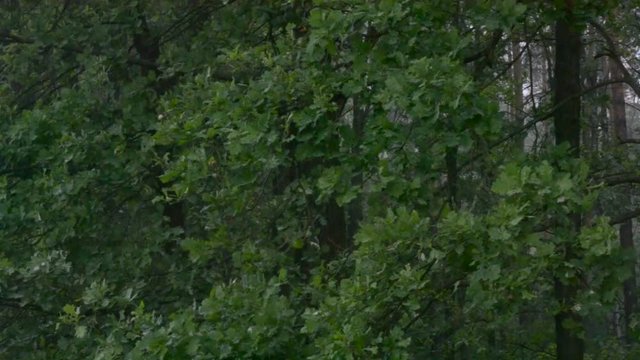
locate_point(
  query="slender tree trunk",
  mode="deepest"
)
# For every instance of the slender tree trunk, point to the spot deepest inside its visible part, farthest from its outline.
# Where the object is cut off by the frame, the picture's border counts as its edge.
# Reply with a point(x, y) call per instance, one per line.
point(334, 235)
point(518, 99)
point(570, 346)
point(451, 159)
point(619, 118)
point(356, 208)
point(590, 110)
point(547, 82)
point(618, 104)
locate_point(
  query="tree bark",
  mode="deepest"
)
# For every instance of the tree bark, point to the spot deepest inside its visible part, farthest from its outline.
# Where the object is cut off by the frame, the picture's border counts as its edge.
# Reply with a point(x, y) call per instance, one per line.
point(569, 345)
point(618, 105)
point(619, 119)
point(518, 98)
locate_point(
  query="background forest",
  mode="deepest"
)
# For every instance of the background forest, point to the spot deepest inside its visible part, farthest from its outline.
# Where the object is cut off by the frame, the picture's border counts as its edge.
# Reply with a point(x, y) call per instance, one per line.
point(326, 179)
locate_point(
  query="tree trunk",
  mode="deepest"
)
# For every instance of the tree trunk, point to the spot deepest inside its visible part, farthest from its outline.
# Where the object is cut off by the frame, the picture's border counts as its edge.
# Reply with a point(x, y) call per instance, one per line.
point(147, 45)
point(618, 114)
point(451, 160)
point(356, 208)
point(517, 91)
point(619, 120)
point(568, 48)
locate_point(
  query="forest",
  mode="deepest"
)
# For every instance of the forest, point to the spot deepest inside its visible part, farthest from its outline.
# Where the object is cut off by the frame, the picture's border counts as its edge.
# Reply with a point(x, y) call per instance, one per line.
point(319, 179)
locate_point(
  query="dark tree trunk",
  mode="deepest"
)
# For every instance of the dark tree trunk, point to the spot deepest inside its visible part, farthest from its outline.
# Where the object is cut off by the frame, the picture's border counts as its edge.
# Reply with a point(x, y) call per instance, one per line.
point(451, 159)
point(356, 208)
point(570, 346)
point(590, 108)
point(618, 114)
point(333, 235)
point(619, 118)
point(517, 91)
point(147, 46)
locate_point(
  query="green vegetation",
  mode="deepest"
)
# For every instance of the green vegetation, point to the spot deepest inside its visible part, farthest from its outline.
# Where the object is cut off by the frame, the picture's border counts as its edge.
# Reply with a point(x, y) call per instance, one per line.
point(326, 179)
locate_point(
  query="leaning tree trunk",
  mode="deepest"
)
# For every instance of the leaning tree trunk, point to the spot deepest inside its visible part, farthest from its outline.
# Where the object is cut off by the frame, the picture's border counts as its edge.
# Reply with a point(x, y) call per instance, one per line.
point(567, 130)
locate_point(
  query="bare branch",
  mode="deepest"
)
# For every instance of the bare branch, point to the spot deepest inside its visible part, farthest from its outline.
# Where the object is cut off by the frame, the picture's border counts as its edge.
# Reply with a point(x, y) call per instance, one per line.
point(614, 54)
point(622, 179)
point(624, 217)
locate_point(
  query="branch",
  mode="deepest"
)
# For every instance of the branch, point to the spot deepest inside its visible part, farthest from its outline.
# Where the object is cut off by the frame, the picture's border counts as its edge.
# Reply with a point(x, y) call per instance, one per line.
point(10, 303)
point(497, 35)
point(508, 67)
point(622, 179)
point(536, 120)
point(197, 15)
point(6, 37)
point(633, 106)
point(614, 54)
point(624, 217)
point(60, 15)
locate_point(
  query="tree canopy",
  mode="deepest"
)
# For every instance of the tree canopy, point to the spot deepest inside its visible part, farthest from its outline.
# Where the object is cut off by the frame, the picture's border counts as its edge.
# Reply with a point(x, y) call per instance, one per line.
point(326, 179)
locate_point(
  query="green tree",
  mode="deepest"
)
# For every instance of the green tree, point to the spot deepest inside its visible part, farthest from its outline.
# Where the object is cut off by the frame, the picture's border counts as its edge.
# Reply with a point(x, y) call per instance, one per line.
point(297, 179)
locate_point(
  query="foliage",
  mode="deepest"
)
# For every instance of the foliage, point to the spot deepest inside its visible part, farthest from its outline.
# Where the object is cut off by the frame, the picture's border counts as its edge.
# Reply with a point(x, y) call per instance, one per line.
point(281, 180)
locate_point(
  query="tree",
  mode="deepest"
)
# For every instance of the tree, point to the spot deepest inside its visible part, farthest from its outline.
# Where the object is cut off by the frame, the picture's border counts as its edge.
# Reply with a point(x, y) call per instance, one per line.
point(301, 179)
point(567, 130)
